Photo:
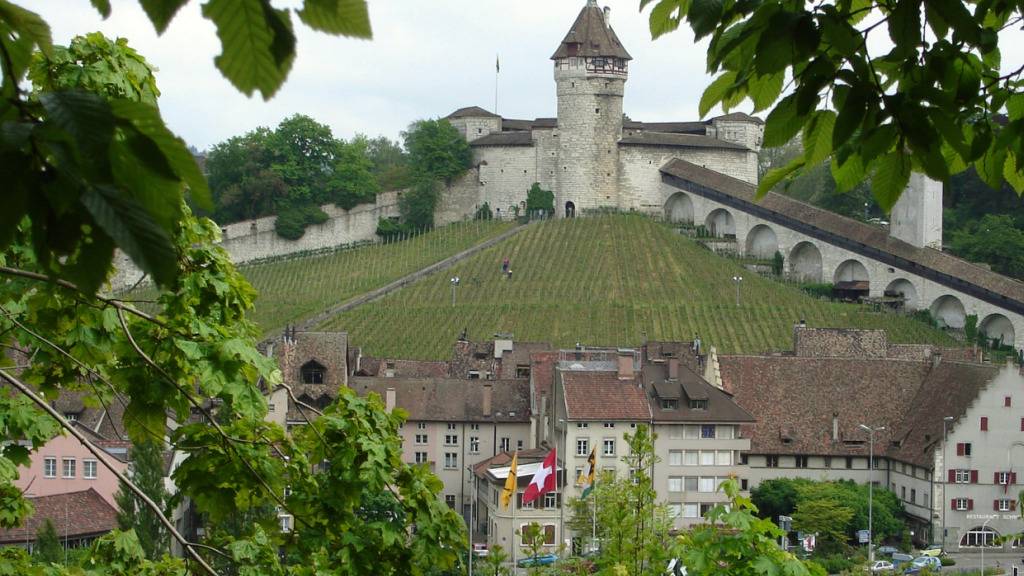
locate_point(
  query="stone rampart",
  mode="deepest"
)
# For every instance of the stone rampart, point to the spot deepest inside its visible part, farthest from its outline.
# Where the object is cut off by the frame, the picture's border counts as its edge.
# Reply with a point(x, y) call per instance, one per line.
point(255, 240)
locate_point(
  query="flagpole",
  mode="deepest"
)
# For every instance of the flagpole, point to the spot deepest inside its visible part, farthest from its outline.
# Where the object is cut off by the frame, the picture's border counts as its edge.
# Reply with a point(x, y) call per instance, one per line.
point(497, 70)
point(515, 545)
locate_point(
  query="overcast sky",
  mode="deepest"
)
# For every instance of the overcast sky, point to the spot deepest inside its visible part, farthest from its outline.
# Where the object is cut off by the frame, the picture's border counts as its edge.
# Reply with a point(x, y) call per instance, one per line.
point(427, 58)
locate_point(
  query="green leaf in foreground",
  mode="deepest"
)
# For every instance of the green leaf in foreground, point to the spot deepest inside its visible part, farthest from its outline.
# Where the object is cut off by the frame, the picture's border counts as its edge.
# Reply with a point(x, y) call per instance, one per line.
point(257, 44)
point(345, 17)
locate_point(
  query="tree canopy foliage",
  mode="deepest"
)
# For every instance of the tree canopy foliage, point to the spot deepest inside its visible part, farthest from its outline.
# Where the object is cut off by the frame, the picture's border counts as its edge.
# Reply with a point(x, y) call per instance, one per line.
point(132, 512)
point(90, 171)
point(935, 102)
point(289, 171)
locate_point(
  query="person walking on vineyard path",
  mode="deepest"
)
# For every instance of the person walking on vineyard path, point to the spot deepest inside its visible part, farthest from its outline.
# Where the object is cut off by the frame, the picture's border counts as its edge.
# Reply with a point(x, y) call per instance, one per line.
point(504, 265)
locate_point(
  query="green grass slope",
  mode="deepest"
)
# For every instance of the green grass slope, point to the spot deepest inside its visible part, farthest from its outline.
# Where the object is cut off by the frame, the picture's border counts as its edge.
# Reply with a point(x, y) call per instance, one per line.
point(294, 289)
point(602, 281)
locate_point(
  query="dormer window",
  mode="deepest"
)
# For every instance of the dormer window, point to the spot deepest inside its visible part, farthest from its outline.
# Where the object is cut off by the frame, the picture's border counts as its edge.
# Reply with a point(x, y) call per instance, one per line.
point(71, 416)
point(669, 403)
point(698, 404)
point(312, 372)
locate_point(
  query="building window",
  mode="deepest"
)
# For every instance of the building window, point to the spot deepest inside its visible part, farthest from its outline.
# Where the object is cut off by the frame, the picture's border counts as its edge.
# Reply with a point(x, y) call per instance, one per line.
point(1005, 505)
point(451, 439)
point(707, 458)
point(449, 499)
point(827, 461)
point(523, 371)
point(962, 476)
point(723, 458)
point(849, 462)
point(69, 468)
point(979, 536)
point(963, 449)
point(49, 467)
point(691, 432)
point(707, 431)
point(913, 496)
point(89, 469)
point(744, 484)
point(551, 500)
point(744, 458)
point(474, 445)
point(961, 504)
point(421, 425)
point(675, 511)
point(771, 461)
point(801, 461)
point(669, 404)
point(506, 444)
point(421, 438)
point(706, 484)
point(675, 484)
point(691, 458)
point(675, 458)
point(609, 447)
point(474, 375)
point(451, 426)
point(698, 404)
point(903, 492)
point(984, 423)
point(451, 460)
point(690, 511)
point(312, 372)
point(549, 534)
point(582, 446)
point(726, 432)
point(474, 427)
point(609, 424)
point(1006, 401)
point(421, 457)
point(705, 508)
point(1002, 478)
point(519, 444)
point(582, 425)
point(71, 416)
point(270, 407)
point(690, 483)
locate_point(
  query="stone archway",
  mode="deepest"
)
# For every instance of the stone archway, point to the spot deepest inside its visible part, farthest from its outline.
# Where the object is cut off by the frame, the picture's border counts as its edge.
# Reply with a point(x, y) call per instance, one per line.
point(851, 280)
point(998, 328)
point(905, 289)
point(805, 262)
point(949, 312)
point(762, 242)
point(570, 210)
point(720, 223)
point(679, 208)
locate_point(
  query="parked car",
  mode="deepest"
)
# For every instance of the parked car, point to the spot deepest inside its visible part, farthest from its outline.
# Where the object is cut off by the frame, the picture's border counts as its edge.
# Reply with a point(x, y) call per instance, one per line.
point(931, 562)
point(880, 566)
point(542, 560)
point(899, 558)
point(933, 550)
point(480, 550)
point(887, 550)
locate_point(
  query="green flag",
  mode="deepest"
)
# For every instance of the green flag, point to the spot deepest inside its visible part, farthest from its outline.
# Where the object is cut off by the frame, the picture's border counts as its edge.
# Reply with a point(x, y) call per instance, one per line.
point(586, 479)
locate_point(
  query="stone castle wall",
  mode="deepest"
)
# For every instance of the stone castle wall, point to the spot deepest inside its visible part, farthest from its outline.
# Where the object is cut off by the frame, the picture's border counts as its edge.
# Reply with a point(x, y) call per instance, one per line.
point(506, 174)
point(253, 240)
point(640, 176)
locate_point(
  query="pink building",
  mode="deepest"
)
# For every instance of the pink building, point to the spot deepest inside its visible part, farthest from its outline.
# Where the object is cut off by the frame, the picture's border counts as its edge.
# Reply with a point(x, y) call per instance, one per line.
point(64, 464)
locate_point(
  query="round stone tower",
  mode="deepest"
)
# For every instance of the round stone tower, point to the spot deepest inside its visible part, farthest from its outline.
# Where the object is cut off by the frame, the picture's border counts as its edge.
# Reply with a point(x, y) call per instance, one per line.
point(590, 74)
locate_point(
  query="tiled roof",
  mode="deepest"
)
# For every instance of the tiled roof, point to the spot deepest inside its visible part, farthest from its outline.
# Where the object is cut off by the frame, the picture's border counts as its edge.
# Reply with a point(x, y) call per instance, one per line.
point(739, 117)
point(721, 406)
point(680, 140)
point(520, 354)
point(602, 396)
point(669, 127)
point(504, 139)
point(871, 241)
point(329, 349)
point(472, 112)
point(402, 368)
point(452, 400)
point(592, 36)
point(796, 398)
point(75, 514)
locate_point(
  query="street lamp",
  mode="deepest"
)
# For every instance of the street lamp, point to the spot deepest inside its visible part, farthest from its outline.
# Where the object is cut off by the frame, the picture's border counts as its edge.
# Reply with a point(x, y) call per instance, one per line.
point(945, 470)
point(736, 280)
point(455, 283)
point(871, 489)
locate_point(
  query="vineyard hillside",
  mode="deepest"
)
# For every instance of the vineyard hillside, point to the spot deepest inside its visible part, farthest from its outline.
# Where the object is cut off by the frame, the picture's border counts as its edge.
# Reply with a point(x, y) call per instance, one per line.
point(608, 280)
point(293, 289)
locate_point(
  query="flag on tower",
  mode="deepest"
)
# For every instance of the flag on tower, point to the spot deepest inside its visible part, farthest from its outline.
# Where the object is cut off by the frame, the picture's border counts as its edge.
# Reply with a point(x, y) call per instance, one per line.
point(543, 480)
point(497, 64)
point(586, 479)
point(510, 483)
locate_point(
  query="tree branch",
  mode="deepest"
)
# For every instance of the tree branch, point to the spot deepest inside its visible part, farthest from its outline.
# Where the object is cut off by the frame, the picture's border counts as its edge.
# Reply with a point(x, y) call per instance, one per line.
point(102, 457)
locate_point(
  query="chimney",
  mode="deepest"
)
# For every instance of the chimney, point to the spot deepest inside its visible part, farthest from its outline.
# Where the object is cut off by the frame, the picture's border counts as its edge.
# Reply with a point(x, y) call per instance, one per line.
point(835, 426)
point(625, 364)
point(673, 368)
point(607, 16)
point(488, 391)
point(389, 399)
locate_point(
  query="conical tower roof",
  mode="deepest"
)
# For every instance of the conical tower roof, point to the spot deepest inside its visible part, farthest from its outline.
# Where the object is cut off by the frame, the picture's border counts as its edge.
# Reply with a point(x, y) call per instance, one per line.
point(591, 36)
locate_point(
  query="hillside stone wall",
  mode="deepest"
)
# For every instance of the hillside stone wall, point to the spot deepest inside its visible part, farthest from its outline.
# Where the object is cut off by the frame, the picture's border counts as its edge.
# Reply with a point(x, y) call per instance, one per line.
point(254, 240)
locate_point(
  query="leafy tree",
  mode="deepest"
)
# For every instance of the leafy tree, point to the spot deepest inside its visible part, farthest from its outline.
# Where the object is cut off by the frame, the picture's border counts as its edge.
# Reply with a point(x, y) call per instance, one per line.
point(827, 518)
point(292, 221)
point(353, 181)
point(775, 497)
point(494, 563)
point(133, 514)
point(931, 103)
point(89, 172)
point(417, 205)
point(48, 549)
point(436, 150)
point(539, 200)
point(734, 541)
point(304, 151)
point(533, 538)
point(778, 263)
point(390, 163)
point(241, 179)
point(95, 63)
point(484, 212)
point(993, 239)
point(632, 528)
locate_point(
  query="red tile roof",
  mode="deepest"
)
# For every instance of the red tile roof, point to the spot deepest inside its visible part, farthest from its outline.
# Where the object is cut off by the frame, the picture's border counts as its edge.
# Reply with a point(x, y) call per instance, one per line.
point(592, 395)
point(75, 514)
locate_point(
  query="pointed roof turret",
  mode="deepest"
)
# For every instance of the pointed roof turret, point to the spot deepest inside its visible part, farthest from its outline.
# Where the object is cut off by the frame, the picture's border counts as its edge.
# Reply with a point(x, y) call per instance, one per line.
point(591, 36)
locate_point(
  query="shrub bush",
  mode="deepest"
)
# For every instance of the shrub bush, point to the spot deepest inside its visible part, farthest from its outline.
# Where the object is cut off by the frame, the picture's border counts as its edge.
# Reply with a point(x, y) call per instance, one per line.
point(484, 212)
point(291, 222)
point(835, 563)
point(819, 290)
point(947, 561)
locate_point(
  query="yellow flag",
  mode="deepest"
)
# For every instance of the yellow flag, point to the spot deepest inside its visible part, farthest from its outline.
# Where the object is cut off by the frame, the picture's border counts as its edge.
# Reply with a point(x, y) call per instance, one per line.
point(510, 483)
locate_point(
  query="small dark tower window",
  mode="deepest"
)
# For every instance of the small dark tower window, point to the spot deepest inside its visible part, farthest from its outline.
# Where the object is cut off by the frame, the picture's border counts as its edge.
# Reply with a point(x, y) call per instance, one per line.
point(312, 372)
point(597, 110)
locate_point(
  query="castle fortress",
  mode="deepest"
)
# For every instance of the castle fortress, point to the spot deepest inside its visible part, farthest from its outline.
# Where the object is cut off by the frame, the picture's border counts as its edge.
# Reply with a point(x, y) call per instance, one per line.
point(705, 173)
